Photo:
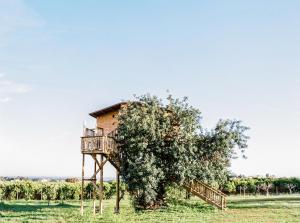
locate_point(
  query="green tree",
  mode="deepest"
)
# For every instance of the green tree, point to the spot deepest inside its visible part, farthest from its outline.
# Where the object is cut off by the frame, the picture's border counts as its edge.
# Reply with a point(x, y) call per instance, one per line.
point(229, 187)
point(49, 191)
point(161, 143)
point(27, 189)
point(1, 190)
point(89, 190)
point(216, 148)
point(16, 187)
point(266, 185)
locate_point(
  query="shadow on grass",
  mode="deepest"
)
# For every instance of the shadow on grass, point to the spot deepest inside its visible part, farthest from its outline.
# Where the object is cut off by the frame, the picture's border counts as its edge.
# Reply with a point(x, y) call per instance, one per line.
point(179, 205)
point(12, 211)
point(265, 199)
point(276, 202)
point(29, 207)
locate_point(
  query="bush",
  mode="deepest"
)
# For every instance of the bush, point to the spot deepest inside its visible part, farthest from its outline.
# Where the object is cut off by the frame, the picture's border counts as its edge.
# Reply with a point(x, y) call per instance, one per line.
point(27, 189)
point(1, 191)
point(68, 191)
point(262, 185)
point(50, 191)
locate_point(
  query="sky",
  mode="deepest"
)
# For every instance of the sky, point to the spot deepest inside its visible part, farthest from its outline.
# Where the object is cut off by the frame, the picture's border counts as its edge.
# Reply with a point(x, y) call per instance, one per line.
point(60, 60)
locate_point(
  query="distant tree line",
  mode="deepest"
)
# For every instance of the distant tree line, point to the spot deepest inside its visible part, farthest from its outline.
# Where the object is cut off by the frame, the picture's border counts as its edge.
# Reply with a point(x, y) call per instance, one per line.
point(71, 189)
point(262, 185)
point(60, 191)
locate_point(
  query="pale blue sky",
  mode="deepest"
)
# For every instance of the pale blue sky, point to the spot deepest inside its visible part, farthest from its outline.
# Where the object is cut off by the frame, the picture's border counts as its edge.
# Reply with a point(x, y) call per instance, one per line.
point(60, 60)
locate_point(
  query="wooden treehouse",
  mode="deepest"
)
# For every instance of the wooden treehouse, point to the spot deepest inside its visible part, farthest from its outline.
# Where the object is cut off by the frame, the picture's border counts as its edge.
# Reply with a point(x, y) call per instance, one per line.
point(100, 144)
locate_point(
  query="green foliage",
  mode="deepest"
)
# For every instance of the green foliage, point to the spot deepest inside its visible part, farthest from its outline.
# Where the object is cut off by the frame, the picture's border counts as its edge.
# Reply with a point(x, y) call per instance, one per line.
point(156, 144)
point(49, 192)
point(215, 149)
point(9, 191)
point(27, 188)
point(175, 192)
point(89, 190)
point(229, 187)
point(52, 190)
point(68, 191)
point(108, 190)
point(264, 185)
point(161, 143)
point(1, 190)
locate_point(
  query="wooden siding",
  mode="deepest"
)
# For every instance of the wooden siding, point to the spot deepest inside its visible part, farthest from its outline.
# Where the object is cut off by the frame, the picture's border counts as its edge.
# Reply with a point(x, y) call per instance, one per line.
point(108, 121)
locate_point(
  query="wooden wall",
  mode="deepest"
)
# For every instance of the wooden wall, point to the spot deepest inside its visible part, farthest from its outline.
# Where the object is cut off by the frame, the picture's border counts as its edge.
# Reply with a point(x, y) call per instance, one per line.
point(108, 121)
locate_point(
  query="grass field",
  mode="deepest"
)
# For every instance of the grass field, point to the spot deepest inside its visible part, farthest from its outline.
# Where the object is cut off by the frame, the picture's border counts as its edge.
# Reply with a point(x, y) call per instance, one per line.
point(249, 209)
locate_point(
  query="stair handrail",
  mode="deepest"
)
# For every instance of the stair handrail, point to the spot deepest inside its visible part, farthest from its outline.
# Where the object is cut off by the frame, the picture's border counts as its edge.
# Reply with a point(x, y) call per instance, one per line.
point(211, 188)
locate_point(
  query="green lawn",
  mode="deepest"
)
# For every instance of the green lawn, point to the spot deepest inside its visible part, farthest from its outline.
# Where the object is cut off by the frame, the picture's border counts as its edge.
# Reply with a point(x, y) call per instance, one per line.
point(249, 209)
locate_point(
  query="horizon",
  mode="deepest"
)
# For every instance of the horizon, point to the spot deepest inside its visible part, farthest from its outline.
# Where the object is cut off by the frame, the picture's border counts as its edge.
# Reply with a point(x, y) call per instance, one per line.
point(59, 61)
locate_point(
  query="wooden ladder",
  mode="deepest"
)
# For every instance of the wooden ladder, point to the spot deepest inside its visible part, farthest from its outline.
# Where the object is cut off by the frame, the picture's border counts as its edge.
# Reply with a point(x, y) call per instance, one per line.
point(207, 193)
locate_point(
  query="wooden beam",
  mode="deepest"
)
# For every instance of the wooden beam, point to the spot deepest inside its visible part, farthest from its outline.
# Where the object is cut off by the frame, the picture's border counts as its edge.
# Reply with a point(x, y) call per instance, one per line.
point(101, 185)
point(100, 168)
point(94, 182)
point(117, 208)
point(82, 184)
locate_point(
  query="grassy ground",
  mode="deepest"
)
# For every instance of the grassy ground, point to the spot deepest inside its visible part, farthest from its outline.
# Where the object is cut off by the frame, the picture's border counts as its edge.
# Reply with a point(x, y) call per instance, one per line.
point(249, 209)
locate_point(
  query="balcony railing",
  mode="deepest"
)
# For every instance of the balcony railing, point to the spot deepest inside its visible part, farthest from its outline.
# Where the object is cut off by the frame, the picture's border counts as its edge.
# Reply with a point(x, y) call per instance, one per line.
point(98, 144)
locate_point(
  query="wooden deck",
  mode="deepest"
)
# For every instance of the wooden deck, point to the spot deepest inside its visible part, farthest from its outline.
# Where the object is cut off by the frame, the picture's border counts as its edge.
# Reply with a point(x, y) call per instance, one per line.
point(98, 145)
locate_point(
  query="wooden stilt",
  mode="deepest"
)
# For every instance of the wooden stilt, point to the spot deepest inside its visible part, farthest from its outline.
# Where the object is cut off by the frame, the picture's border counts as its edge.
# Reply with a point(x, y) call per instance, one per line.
point(101, 185)
point(117, 208)
point(105, 146)
point(95, 181)
point(82, 185)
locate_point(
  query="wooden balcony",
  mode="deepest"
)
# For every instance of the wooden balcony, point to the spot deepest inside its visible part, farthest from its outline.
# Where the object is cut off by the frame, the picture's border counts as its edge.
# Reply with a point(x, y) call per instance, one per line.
point(98, 144)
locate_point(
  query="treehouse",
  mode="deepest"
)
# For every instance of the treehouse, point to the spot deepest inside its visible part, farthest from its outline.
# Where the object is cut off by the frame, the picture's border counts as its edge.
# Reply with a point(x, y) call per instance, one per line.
point(100, 144)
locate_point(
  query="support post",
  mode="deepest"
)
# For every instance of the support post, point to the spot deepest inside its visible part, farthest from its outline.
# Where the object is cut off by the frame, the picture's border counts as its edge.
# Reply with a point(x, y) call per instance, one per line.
point(117, 208)
point(101, 186)
point(94, 189)
point(82, 184)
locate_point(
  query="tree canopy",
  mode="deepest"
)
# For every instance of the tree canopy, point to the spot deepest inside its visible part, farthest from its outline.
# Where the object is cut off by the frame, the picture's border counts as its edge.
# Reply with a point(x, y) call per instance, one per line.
point(161, 143)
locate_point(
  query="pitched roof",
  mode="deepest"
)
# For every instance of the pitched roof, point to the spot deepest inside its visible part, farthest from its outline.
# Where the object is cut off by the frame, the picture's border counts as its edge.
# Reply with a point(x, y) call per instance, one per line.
point(114, 107)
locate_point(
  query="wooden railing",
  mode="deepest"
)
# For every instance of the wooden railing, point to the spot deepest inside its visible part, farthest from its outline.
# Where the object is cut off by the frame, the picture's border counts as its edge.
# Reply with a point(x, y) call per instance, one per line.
point(113, 134)
point(98, 144)
point(207, 193)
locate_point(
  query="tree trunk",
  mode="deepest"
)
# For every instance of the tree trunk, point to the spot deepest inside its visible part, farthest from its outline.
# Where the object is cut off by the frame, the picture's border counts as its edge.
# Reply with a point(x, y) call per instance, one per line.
point(160, 198)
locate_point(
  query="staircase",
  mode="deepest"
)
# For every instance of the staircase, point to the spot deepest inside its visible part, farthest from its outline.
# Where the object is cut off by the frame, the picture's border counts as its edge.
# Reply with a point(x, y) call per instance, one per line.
point(206, 193)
